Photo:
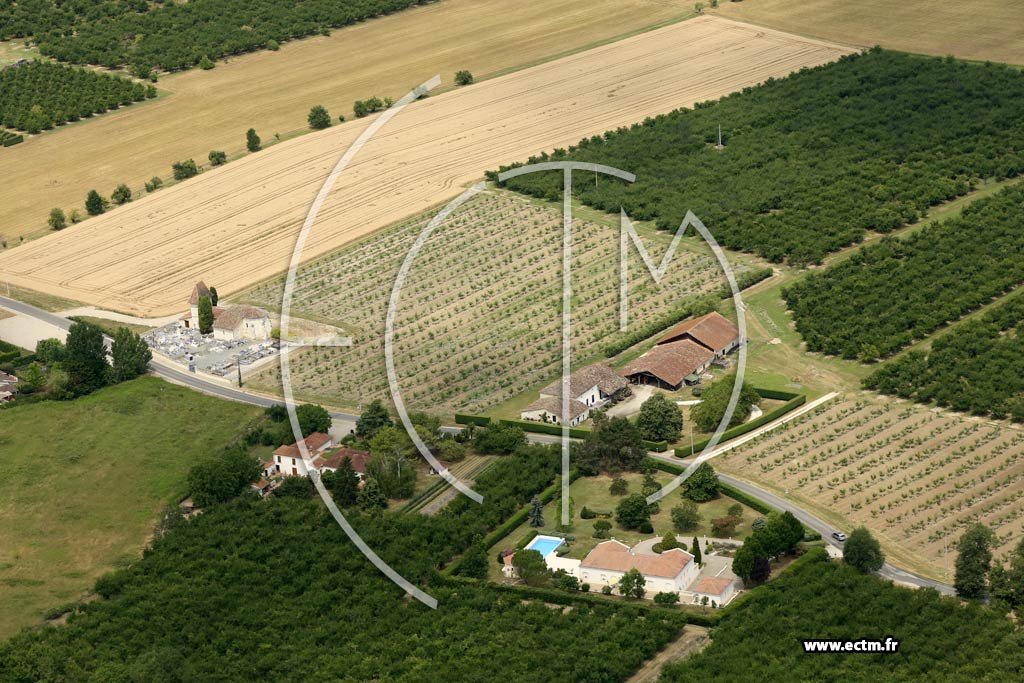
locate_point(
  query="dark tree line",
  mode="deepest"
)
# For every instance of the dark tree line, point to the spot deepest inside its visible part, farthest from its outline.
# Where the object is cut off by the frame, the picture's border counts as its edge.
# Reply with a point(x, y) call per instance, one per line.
point(976, 368)
point(203, 604)
point(171, 35)
point(940, 640)
point(40, 95)
point(889, 294)
point(814, 160)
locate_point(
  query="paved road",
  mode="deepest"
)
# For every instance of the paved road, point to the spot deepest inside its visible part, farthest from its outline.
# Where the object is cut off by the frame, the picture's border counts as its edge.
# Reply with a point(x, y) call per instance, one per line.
point(172, 374)
point(824, 528)
point(209, 386)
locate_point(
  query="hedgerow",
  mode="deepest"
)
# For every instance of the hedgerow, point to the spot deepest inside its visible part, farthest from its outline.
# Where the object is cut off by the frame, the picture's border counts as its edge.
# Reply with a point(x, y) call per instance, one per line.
point(813, 161)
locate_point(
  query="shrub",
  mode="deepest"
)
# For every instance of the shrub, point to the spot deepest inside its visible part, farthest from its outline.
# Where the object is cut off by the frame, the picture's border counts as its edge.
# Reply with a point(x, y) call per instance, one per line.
point(252, 140)
point(619, 487)
point(217, 158)
point(666, 598)
point(205, 63)
point(154, 184)
point(318, 118)
point(463, 77)
point(57, 220)
point(122, 194)
point(184, 169)
point(646, 527)
point(94, 203)
point(273, 45)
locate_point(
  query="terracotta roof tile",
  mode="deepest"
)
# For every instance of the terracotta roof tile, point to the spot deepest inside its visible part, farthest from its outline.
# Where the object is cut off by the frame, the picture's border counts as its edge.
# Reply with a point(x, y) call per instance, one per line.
point(670, 362)
point(617, 557)
point(712, 331)
point(233, 317)
point(711, 585)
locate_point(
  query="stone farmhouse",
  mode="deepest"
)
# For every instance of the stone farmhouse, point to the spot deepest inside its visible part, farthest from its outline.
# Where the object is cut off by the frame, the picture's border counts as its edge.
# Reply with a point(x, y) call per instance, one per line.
point(589, 388)
point(684, 352)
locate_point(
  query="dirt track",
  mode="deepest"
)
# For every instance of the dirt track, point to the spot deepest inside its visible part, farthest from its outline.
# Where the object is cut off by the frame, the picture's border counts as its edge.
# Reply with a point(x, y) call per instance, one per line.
point(236, 226)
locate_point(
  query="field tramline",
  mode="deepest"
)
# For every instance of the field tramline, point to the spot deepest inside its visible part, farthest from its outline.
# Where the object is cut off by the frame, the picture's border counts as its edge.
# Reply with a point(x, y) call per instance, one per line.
point(915, 476)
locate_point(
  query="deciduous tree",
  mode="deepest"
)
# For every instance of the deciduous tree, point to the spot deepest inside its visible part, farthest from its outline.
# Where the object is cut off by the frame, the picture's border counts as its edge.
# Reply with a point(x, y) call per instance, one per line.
point(863, 551)
point(130, 355)
point(659, 419)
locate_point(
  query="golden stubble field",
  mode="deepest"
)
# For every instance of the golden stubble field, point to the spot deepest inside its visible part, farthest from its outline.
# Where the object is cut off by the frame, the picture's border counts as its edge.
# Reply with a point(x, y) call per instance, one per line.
point(273, 91)
point(915, 476)
point(979, 29)
point(478, 320)
point(236, 226)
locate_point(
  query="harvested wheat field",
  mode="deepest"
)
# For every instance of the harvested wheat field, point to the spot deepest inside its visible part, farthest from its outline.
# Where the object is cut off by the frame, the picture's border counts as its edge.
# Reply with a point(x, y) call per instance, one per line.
point(916, 477)
point(478, 319)
point(980, 29)
point(273, 91)
point(236, 226)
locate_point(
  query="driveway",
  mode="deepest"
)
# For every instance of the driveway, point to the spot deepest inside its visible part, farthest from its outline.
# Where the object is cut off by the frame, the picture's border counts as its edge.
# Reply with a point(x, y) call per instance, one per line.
point(631, 405)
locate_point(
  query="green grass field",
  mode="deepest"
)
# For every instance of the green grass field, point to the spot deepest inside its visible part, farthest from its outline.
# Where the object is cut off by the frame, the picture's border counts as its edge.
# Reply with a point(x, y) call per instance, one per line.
point(84, 482)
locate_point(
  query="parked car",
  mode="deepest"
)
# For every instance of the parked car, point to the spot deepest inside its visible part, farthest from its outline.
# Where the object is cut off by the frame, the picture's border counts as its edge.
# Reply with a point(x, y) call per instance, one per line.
point(839, 536)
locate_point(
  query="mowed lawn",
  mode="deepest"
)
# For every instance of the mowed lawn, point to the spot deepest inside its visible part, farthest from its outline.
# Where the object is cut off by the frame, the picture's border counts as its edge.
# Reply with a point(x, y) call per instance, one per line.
point(593, 493)
point(84, 482)
point(979, 29)
point(273, 91)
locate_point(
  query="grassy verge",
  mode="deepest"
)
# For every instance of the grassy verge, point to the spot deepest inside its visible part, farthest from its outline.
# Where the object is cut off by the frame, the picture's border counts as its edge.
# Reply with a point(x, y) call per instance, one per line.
point(85, 480)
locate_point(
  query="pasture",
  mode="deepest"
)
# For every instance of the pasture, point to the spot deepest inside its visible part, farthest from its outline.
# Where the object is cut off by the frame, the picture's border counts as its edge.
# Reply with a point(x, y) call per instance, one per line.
point(236, 226)
point(84, 482)
point(478, 318)
point(980, 29)
point(212, 109)
point(915, 477)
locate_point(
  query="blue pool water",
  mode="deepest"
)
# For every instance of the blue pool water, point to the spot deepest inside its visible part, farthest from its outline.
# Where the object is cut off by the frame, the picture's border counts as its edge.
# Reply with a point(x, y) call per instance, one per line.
point(545, 545)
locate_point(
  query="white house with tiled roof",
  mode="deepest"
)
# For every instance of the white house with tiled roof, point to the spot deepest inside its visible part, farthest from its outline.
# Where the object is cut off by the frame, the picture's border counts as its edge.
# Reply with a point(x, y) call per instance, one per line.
point(671, 571)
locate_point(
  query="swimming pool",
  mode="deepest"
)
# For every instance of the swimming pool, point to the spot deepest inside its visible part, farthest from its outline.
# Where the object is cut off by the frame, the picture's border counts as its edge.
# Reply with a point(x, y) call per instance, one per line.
point(545, 545)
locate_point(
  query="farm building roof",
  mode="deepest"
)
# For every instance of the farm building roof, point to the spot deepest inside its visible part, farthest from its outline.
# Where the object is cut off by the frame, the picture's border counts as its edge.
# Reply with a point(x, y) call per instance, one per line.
point(7, 379)
point(671, 362)
point(601, 376)
point(711, 585)
point(233, 317)
point(712, 331)
point(553, 405)
point(618, 557)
